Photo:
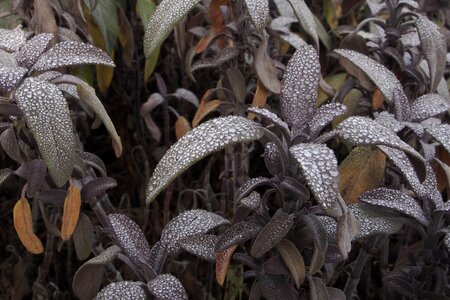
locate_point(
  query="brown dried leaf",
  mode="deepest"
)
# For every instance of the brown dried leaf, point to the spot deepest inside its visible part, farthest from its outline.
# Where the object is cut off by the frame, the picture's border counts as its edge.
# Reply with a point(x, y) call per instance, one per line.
point(377, 99)
point(260, 98)
point(222, 262)
point(71, 212)
point(205, 108)
point(265, 69)
point(23, 224)
point(182, 126)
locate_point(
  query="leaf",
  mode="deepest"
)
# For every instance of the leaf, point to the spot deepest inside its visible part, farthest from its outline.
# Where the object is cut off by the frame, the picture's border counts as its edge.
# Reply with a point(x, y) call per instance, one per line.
point(441, 133)
point(83, 237)
point(383, 78)
point(324, 115)
point(361, 171)
point(33, 48)
point(204, 109)
point(97, 187)
point(203, 140)
point(167, 287)
point(182, 127)
point(71, 212)
point(35, 176)
point(260, 97)
point(222, 262)
point(168, 13)
point(4, 174)
point(44, 17)
point(271, 118)
point(201, 245)
point(237, 234)
point(225, 55)
point(427, 106)
point(317, 289)
point(306, 19)
point(47, 115)
point(299, 86)
point(150, 64)
point(188, 223)
point(12, 40)
point(264, 67)
point(276, 287)
point(272, 158)
point(319, 166)
point(10, 145)
point(145, 9)
point(89, 277)
point(249, 186)
point(70, 53)
point(271, 234)
point(130, 238)
point(152, 102)
point(293, 260)
point(23, 224)
point(237, 82)
point(434, 48)
point(88, 96)
point(10, 77)
point(259, 12)
point(126, 39)
point(125, 290)
point(397, 201)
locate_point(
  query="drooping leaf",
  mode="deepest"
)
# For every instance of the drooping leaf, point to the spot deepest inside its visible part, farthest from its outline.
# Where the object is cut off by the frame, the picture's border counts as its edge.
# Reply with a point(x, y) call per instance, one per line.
point(260, 97)
point(259, 12)
point(324, 115)
point(167, 287)
point(152, 102)
point(125, 290)
point(204, 109)
point(95, 162)
point(71, 212)
point(97, 187)
point(71, 53)
point(222, 262)
point(379, 74)
point(47, 114)
point(12, 40)
point(427, 106)
point(397, 201)
point(317, 289)
point(361, 171)
point(299, 86)
point(252, 201)
point(203, 140)
point(188, 223)
point(274, 231)
point(237, 234)
point(33, 48)
point(10, 77)
point(168, 13)
point(83, 237)
point(319, 166)
point(23, 224)
point(264, 67)
point(293, 260)
point(130, 237)
point(434, 48)
point(306, 18)
point(201, 245)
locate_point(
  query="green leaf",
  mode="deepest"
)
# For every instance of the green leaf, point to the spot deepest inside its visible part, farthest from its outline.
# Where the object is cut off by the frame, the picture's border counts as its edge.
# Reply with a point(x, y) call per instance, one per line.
point(145, 9)
point(47, 114)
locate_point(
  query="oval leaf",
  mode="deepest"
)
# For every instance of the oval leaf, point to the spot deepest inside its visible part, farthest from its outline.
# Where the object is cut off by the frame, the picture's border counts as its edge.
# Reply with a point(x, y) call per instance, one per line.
point(306, 18)
point(427, 106)
point(293, 260)
point(124, 290)
point(259, 12)
point(33, 48)
point(237, 234)
point(222, 262)
point(201, 245)
point(71, 212)
point(23, 224)
point(10, 77)
point(167, 287)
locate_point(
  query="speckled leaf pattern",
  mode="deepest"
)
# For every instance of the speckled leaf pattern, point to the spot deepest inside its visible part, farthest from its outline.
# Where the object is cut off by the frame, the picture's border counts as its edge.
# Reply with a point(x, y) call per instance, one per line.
point(222, 57)
point(324, 115)
point(167, 287)
point(259, 12)
point(447, 241)
point(7, 59)
point(388, 120)
point(434, 48)
point(270, 117)
point(32, 49)
point(299, 86)
point(441, 133)
point(397, 201)
point(306, 18)
point(272, 158)
point(248, 186)
point(122, 290)
point(320, 168)
point(201, 245)
point(166, 16)
point(11, 40)
point(203, 140)
point(71, 53)
point(47, 114)
point(237, 234)
point(274, 231)
point(252, 201)
point(10, 77)
point(4, 174)
point(188, 223)
point(379, 74)
point(130, 237)
point(427, 106)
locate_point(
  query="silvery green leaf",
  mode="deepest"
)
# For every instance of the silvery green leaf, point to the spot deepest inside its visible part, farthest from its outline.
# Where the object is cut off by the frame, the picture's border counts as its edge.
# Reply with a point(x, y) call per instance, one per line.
point(167, 287)
point(434, 48)
point(11, 40)
point(71, 53)
point(122, 290)
point(32, 49)
point(201, 245)
point(427, 106)
point(299, 86)
point(130, 238)
point(324, 115)
point(410, 39)
point(306, 19)
point(4, 174)
point(259, 12)
point(167, 14)
point(237, 234)
point(319, 166)
point(10, 77)
point(47, 114)
point(379, 74)
point(272, 118)
point(274, 231)
point(401, 105)
point(249, 186)
point(203, 140)
point(188, 223)
point(441, 133)
point(397, 201)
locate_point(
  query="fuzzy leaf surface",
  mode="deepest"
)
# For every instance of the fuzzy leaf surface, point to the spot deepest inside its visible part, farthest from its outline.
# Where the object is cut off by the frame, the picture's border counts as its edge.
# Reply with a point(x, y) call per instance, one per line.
point(12, 40)
point(306, 18)
point(201, 245)
point(236, 234)
point(10, 77)
point(427, 106)
point(167, 287)
point(124, 290)
point(33, 48)
point(259, 12)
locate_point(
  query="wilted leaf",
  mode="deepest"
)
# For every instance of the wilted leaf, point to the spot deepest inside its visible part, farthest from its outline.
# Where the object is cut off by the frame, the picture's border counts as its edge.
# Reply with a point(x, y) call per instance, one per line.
point(306, 18)
point(44, 16)
point(222, 262)
point(361, 171)
point(259, 12)
point(427, 106)
point(23, 224)
point(237, 234)
point(203, 140)
point(319, 166)
point(182, 126)
point(201, 245)
point(265, 69)
point(32, 49)
point(167, 287)
point(260, 97)
point(47, 114)
point(83, 237)
point(204, 109)
point(71, 212)
point(293, 260)
point(124, 290)
point(10, 77)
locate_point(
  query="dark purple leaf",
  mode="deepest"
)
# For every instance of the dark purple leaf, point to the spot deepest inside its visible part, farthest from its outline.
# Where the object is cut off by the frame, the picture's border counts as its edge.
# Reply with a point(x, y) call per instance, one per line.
point(222, 57)
point(293, 260)
point(201, 245)
point(4, 174)
point(95, 162)
point(275, 266)
point(324, 115)
point(8, 141)
point(32, 49)
point(83, 237)
point(9, 109)
point(272, 158)
point(237, 234)
point(167, 287)
point(317, 289)
point(124, 290)
point(427, 106)
point(10, 77)
point(265, 69)
point(252, 201)
point(97, 187)
point(276, 287)
point(12, 40)
point(36, 176)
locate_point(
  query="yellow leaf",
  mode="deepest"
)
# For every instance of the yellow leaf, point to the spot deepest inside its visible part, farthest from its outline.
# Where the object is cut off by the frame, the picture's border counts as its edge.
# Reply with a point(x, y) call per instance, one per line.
point(182, 127)
point(222, 262)
point(71, 212)
point(23, 224)
point(362, 170)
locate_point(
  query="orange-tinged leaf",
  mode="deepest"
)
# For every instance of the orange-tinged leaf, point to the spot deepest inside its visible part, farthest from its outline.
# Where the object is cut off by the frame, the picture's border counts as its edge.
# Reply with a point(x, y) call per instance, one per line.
point(204, 41)
point(150, 64)
point(204, 108)
point(182, 127)
point(377, 99)
point(361, 170)
point(23, 224)
point(260, 98)
point(71, 212)
point(222, 262)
